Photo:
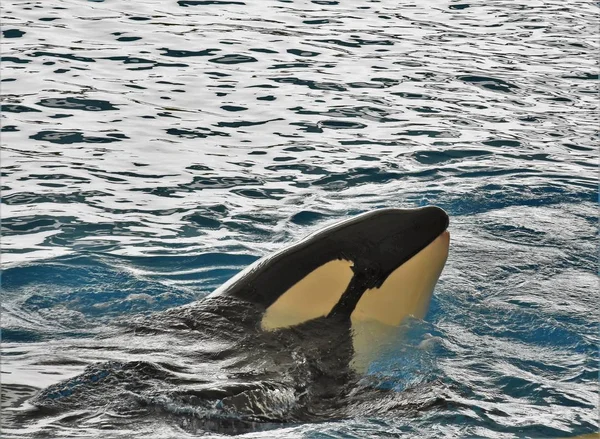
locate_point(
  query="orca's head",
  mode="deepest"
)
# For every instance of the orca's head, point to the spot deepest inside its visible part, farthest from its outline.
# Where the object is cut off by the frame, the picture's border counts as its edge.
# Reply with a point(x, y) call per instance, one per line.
point(380, 241)
point(380, 266)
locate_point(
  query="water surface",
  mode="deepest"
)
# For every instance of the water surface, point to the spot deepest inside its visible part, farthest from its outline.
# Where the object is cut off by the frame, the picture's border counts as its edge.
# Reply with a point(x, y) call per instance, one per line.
point(151, 150)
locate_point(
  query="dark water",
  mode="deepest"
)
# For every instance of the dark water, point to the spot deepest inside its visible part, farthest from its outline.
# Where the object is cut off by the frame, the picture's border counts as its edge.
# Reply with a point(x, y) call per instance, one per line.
point(150, 150)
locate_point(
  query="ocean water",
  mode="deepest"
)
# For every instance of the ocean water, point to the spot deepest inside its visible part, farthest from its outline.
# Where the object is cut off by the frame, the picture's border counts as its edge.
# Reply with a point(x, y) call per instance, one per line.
point(152, 149)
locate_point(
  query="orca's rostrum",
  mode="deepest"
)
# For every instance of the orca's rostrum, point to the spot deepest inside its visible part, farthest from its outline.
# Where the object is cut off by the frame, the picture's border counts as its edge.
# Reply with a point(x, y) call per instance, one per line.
point(285, 340)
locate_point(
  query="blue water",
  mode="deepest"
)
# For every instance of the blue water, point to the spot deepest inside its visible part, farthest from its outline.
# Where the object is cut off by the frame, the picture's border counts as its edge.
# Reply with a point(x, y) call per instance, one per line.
point(151, 150)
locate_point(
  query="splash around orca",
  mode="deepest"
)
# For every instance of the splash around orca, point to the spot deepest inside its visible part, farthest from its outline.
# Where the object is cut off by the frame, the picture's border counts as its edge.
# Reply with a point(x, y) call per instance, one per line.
point(284, 341)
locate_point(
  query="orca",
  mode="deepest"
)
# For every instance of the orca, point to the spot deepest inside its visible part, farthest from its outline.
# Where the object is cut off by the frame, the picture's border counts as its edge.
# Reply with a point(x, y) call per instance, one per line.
point(372, 271)
point(286, 340)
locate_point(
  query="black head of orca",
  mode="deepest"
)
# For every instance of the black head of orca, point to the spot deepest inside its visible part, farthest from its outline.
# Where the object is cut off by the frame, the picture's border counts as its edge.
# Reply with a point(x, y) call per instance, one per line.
point(327, 273)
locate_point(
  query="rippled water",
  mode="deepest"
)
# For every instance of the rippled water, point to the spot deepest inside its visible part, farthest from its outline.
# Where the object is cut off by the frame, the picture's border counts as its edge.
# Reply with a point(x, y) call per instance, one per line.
point(152, 149)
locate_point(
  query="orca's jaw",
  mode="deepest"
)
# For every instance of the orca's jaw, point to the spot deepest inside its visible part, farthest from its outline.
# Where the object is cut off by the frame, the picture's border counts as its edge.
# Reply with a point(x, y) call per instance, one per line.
point(406, 292)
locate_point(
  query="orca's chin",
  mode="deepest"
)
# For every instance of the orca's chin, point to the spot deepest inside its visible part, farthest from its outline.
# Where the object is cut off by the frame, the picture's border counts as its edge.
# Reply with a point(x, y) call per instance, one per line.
point(408, 289)
point(406, 292)
point(445, 235)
